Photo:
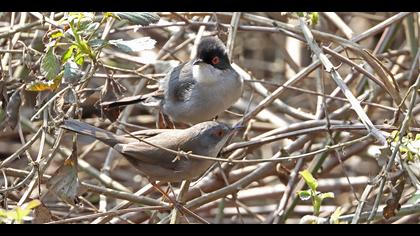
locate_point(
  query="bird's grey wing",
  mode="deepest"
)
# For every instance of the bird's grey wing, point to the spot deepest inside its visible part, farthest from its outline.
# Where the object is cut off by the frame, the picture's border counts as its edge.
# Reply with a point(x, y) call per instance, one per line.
point(143, 152)
point(180, 83)
point(147, 132)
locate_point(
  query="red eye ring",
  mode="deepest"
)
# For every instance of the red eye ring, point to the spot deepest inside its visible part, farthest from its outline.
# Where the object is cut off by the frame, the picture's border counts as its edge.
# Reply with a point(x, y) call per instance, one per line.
point(219, 133)
point(215, 60)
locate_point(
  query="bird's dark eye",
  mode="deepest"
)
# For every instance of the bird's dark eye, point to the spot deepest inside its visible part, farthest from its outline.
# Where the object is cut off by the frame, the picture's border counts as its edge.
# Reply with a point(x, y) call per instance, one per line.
point(215, 60)
point(219, 133)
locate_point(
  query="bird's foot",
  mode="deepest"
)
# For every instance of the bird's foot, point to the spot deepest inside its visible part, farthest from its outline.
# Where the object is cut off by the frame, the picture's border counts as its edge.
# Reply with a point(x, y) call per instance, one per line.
point(164, 122)
point(172, 202)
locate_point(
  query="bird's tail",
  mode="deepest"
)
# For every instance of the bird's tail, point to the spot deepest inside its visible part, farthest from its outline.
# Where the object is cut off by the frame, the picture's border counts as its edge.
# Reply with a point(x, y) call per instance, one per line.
point(149, 100)
point(105, 136)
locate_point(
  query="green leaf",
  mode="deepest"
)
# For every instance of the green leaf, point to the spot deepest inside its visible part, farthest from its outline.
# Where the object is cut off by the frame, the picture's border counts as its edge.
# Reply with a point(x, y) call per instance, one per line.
point(17, 214)
point(108, 14)
point(309, 179)
point(138, 18)
point(394, 136)
point(79, 57)
point(334, 217)
point(68, 54)
point(32, 204)
point(85, 48)
point(314, 17)
point(326, 195)
point(56, 34)
point(134, 45)
point(50, 66)
point(2, 213)
point(305, 195)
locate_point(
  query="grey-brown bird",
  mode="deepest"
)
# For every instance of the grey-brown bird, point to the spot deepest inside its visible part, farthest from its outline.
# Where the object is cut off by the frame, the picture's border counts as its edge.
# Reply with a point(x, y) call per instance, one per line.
point(195, 91)
point(205, 139)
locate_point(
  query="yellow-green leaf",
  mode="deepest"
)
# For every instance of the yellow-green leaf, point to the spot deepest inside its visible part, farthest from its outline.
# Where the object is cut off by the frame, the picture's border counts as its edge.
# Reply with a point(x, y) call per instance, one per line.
point(68, 53)
point(334, 217)
point(309, 179)
point(85, 48)
point(326, 195)
point(56, 34)
point(32, 204)
point(314, 18)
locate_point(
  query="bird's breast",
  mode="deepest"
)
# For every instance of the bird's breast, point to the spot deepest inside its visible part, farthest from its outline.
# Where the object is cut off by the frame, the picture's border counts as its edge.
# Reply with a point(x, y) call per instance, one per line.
point(215, 91)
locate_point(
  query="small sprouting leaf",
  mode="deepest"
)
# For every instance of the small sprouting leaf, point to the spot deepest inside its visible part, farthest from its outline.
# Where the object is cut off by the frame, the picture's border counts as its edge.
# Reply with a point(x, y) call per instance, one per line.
point(108, 14)
point(45, 85)
point(138, 18)
point(72, 73)
point(314, 17)
point(309, 179)
point(394, 136)
point(56, 34)
point(85, 48)
point(17, 214)
point(68, 54)
point(50, 65)
point(304, 195)
point(334, 217)
point(134, 45)
point(32, 204)
point(79, 57)
point(326, 195)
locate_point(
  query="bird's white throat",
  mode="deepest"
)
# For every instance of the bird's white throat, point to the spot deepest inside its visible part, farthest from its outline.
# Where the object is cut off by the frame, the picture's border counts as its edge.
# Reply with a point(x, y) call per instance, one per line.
point(206, 74)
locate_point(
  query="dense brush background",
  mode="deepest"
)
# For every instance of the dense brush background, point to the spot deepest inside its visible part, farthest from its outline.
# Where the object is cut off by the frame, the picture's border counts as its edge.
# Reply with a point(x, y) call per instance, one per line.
point(59, 65)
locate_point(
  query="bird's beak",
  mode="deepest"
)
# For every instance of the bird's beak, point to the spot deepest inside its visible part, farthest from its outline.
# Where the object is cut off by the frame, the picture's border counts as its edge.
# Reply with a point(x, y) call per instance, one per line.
point(236, 128)
point(197, 61)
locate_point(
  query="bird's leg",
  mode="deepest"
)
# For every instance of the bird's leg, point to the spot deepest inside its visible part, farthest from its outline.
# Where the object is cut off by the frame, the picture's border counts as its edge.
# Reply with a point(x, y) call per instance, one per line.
point(174, 202)
point(164, 122)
